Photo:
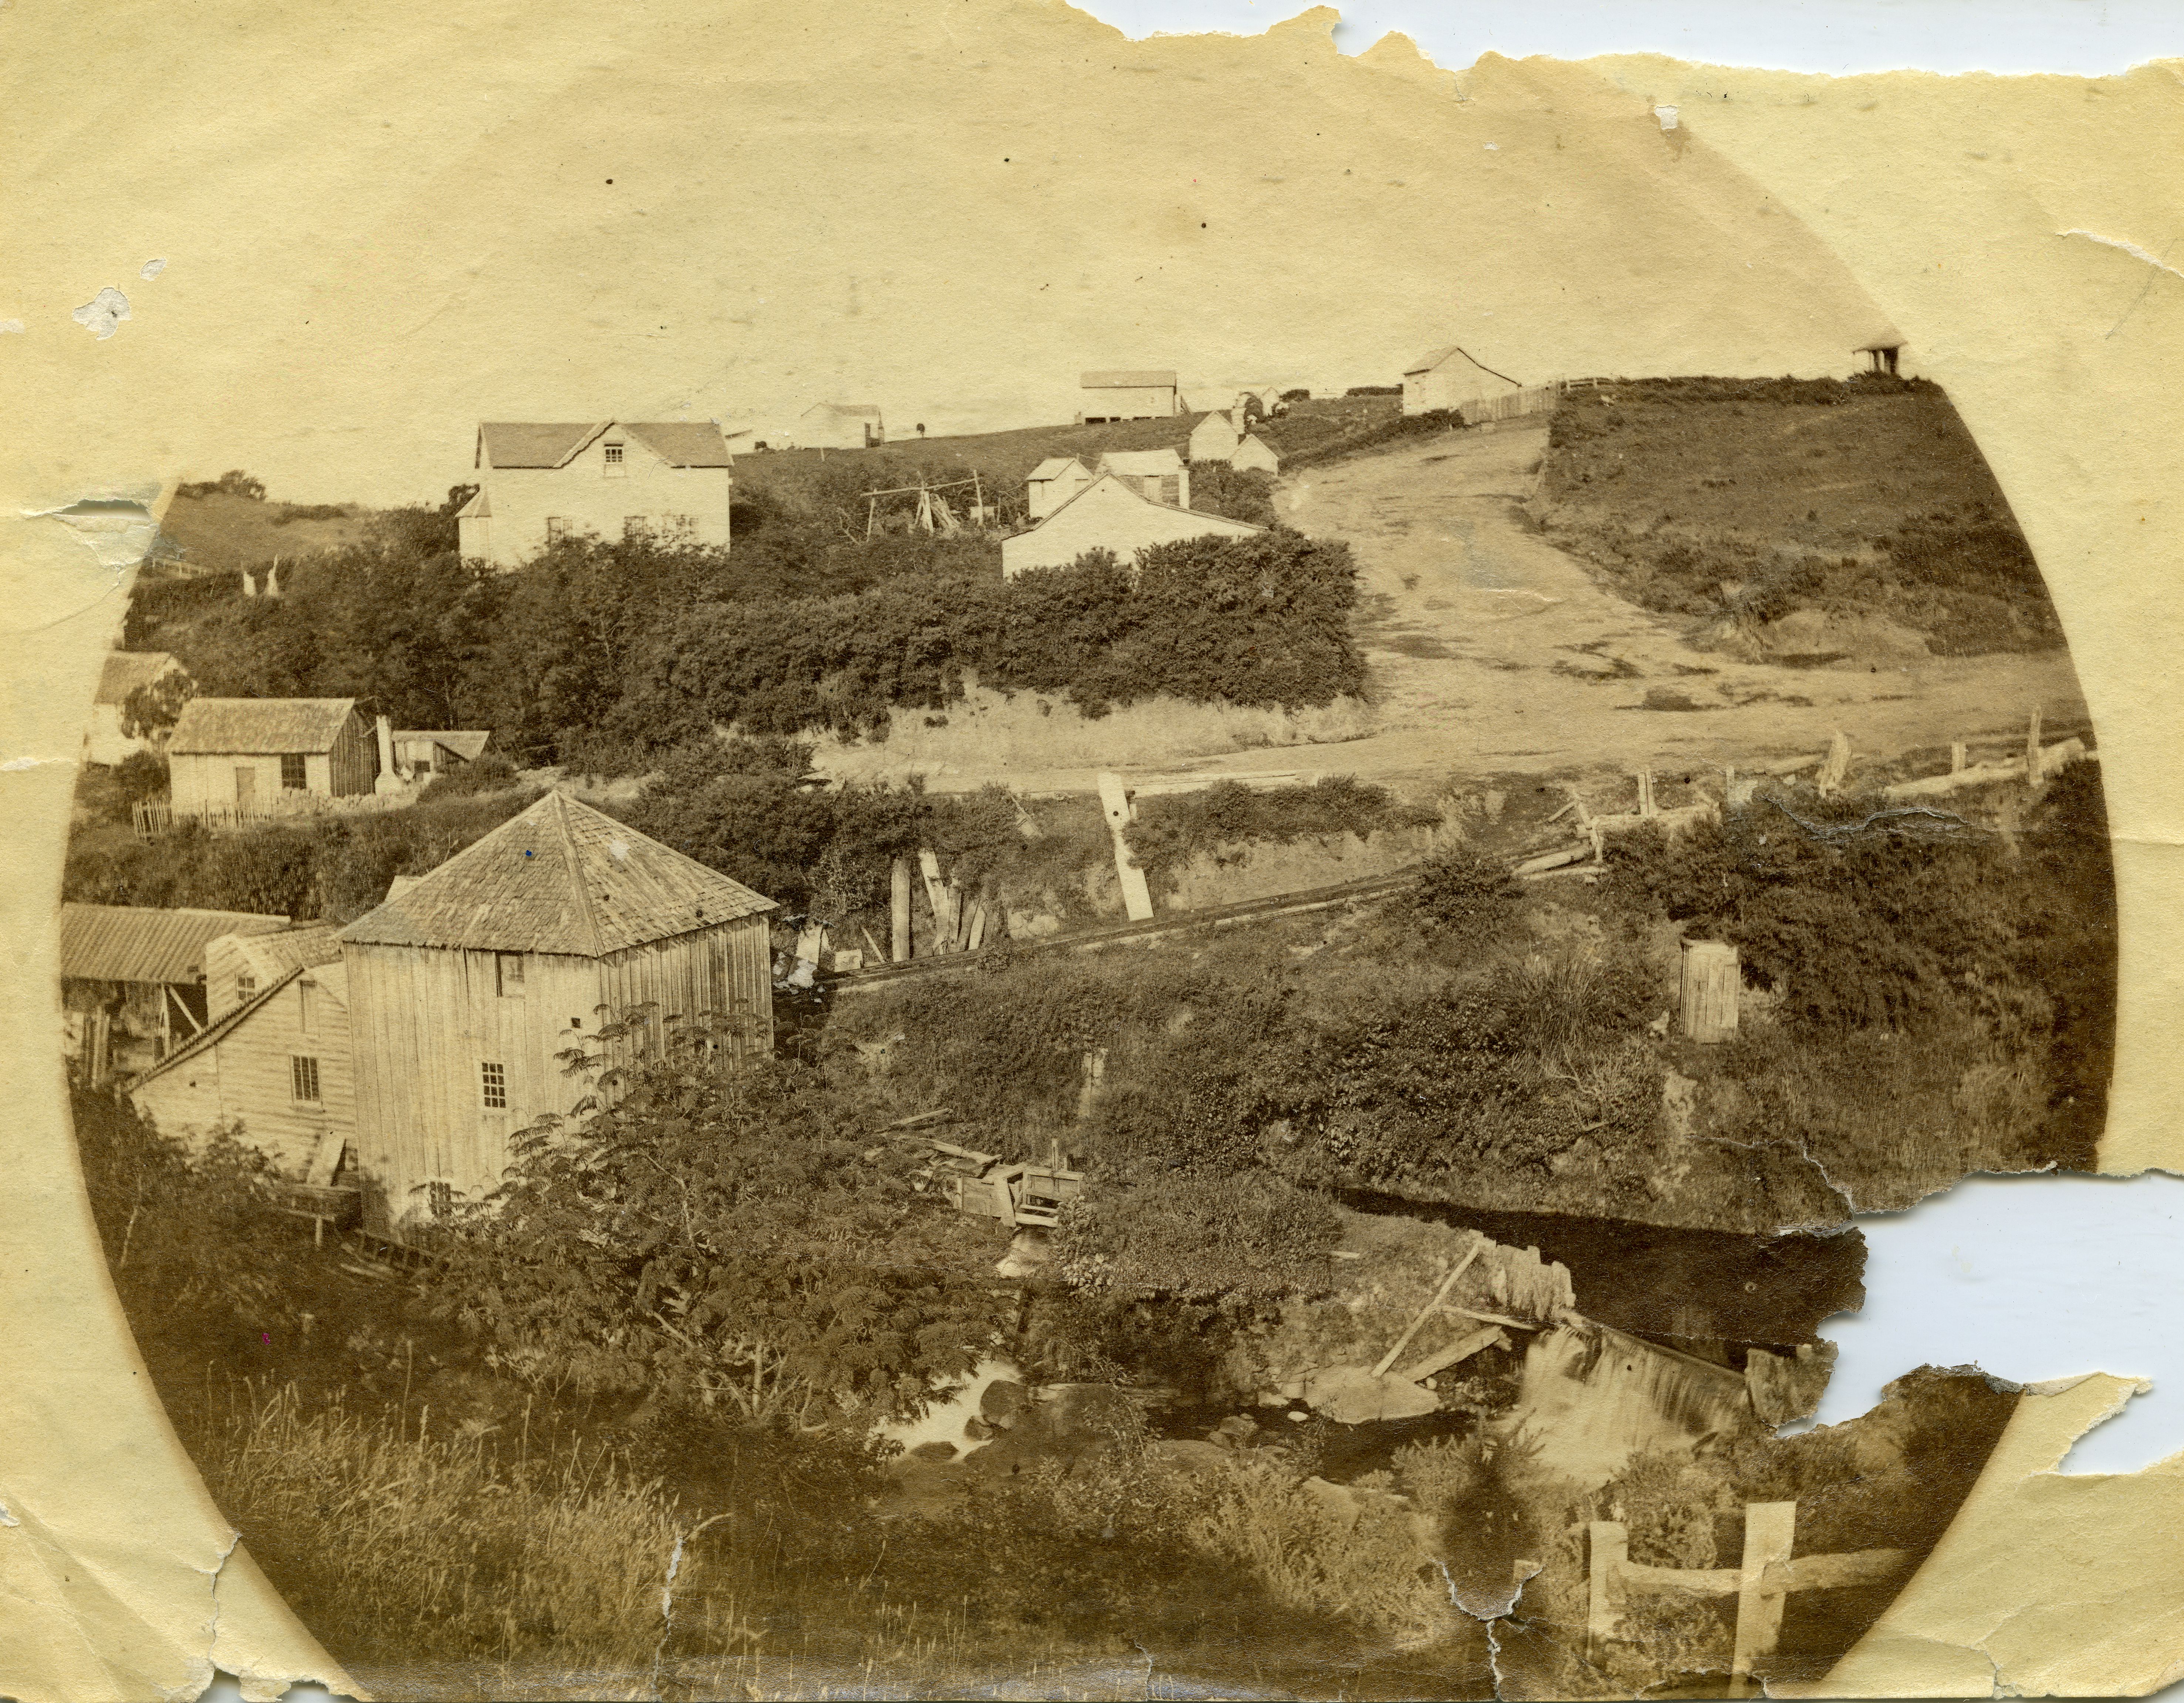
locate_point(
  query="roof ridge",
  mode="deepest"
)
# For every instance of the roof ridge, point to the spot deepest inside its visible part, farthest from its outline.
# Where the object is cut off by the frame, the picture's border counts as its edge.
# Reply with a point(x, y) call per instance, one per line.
point(576, 873)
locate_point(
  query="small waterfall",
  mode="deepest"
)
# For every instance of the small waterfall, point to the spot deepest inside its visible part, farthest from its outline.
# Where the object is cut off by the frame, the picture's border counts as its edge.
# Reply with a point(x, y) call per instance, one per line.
point(1593, 1396)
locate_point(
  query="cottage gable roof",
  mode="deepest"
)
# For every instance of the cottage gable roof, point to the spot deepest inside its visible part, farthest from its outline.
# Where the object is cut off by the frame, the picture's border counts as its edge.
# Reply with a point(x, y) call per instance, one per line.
point(126, 670)
point(1113, 489)
point(1436, 357)
point(258, 726)
point(529, 444)
point(466, 743)
point(561, 878)
point(1130, 378)
point(307, 946)
point(1054, 466)
point(142, 943)
point(1141, 462)
point(478, 508)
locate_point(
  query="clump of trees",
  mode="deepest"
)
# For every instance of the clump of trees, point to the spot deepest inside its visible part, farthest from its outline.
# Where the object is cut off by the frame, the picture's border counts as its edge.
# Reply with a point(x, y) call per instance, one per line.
point(605, 655)
point(234, 483)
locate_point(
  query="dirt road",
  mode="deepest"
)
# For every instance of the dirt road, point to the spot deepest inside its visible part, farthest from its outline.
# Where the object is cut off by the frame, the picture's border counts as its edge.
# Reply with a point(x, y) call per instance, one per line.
point(1491, 651)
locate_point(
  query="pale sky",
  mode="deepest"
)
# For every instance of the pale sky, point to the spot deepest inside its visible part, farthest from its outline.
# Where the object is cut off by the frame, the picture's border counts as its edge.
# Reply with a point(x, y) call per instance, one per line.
point(734, 216)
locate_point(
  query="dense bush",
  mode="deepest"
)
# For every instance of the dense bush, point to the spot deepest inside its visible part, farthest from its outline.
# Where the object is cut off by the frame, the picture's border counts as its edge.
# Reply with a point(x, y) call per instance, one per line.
point(603, 655)
point(1170, 831)
point(333, 867)
point(1242, 493)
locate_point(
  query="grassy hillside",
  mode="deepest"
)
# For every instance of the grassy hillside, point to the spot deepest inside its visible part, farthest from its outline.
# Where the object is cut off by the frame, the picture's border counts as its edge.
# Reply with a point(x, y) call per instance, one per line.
point(1003, 458)
point(222, 531)
point(1791, 515)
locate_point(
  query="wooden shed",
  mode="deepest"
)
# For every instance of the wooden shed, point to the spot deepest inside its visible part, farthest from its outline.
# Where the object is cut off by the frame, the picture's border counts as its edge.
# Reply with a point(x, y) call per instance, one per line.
point(1114, 515)
point(241, 759)
point(1053, 482)
point(1448, 377)
point(467, 986)
point(133, 981)
point(1128, 394)
point(424, 753)
point(276, 1066)
point(1255, 455)
point(1159, 476)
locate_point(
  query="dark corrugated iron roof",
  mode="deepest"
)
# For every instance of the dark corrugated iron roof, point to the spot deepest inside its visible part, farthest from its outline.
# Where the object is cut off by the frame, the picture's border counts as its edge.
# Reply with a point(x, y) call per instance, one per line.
point(127, 670)
point(142, 943)
point(560, 878)
point(1130, 378)
point(257, 727)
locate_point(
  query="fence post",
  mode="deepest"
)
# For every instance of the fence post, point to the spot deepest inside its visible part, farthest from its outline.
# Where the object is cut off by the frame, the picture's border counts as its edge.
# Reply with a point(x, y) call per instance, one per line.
point(1769, 1534)
point(1608, 1549)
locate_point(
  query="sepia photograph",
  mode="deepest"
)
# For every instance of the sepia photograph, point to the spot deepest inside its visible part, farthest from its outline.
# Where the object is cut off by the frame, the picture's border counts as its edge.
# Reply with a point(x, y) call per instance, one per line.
point(978, 860)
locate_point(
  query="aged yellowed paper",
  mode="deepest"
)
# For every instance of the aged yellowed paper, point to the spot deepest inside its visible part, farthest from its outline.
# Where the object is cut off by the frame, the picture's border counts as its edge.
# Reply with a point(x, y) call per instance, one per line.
point(928, 851)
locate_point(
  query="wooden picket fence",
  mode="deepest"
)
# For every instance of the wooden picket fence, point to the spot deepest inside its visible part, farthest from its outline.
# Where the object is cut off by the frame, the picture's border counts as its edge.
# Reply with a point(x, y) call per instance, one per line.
point(1761, 1583)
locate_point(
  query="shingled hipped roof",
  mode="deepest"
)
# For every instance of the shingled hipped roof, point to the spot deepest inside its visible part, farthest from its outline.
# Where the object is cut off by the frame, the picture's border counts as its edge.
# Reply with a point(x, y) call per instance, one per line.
point(560, 878)
point(258, 726)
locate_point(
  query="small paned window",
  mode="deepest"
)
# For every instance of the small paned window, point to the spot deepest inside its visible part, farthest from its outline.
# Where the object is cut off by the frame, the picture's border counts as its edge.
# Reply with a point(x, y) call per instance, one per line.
point(303, 1078)
point(307, 1005)
point(492, 1082)
point(508, 973)
point(615, 468)
point(246, 986)
point(557, 529)
point(440, 1198)
point(292, 772)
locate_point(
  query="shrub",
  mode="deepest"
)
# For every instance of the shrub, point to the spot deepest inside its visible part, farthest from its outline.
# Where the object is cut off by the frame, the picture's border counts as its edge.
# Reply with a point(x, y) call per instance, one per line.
point(488, 772)
point(1242, 493)
point(1470, 895)
point(1170, 831)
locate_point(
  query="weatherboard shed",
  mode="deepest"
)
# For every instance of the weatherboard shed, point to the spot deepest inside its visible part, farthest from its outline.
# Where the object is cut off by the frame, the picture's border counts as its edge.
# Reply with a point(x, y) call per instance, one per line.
point(1112, 514)
point(468, 986)
point(1447, 378)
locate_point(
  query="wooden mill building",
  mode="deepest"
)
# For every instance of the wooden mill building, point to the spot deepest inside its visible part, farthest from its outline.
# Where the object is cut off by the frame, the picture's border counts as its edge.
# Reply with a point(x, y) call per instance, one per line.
point(133, 981)
point(467, 986)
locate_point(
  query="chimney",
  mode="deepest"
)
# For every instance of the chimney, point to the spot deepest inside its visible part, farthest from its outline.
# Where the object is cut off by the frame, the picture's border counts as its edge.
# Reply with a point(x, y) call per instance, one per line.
point(249, 585)
point(386, 746)
point(273, 578)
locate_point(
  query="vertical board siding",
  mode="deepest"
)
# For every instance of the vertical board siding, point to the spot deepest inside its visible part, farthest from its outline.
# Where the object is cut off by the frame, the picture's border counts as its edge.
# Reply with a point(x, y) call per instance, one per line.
point(424, 1018)
point(245, 1077)
point(353, 764)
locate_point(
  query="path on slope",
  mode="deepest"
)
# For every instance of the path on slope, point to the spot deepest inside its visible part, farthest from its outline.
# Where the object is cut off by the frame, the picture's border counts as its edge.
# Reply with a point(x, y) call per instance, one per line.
point(1489, 650)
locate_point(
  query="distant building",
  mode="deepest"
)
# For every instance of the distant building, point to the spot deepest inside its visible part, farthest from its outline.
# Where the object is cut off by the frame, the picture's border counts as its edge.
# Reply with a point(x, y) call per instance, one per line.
point(252, 757)
point(840, 425)
point(1214, 439)
point(133, 981)
point(1133, 394)
point(467, 984)
point(538, 484)
point(277, 1063)
point(1255, 455)
point(1883, 353)
point(1159, 476)
point(423, 753)
point(1053, 482)
point(1447, 378)
point(1112, 514)
point(125, 671)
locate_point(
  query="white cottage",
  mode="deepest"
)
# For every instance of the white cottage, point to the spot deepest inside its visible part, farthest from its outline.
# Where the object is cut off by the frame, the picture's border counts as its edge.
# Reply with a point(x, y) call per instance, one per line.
point(1113, 515)
point(1447, 378)
point(1214, 439)
point(467, 986)
point(1255, 455)
point(1053, 482)
point(539, 483)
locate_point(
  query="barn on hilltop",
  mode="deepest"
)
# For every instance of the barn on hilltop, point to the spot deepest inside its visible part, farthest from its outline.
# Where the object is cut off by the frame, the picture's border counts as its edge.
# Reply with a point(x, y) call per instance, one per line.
point(467, 986)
